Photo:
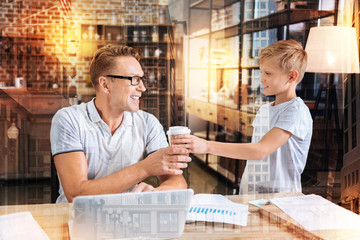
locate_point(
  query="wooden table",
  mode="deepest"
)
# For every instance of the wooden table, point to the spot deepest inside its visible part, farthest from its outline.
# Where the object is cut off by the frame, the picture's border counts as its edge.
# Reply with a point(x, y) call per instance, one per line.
point(268, 222)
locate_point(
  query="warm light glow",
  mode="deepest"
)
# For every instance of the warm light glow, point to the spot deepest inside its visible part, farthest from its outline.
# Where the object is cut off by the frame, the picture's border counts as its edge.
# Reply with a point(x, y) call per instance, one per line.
point(330, 59)
point(332, 49)
point(13, 131)
point(71, 47)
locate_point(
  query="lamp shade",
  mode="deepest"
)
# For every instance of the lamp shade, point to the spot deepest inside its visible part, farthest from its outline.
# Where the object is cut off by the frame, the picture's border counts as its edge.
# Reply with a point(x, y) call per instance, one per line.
point(13, 131)
point(332, 49)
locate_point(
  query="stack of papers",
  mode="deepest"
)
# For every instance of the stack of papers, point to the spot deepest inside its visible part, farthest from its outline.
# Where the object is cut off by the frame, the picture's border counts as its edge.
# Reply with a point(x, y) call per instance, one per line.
point(19, 226)
point(217, 208)
point(316, 213)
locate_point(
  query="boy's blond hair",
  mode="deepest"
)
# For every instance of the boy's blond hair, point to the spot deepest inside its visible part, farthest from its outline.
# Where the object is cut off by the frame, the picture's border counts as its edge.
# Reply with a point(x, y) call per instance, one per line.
point(290, 55)
point(103, 60)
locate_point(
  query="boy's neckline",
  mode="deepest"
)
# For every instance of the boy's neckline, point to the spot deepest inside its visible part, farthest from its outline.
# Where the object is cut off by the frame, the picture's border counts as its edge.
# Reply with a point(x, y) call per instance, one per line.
point(273, 103)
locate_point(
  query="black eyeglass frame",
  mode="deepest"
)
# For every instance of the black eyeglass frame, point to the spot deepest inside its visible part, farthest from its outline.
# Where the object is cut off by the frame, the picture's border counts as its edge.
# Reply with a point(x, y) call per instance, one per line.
point(134, 80)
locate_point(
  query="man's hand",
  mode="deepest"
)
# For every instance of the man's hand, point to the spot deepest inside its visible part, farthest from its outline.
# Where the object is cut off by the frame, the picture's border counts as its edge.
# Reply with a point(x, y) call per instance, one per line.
point(166, 161)
point(143, 187)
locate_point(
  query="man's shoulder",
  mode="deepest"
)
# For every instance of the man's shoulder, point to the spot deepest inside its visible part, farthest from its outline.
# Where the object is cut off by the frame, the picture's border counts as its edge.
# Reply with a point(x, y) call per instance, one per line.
point(71, 111)
point(144, 116)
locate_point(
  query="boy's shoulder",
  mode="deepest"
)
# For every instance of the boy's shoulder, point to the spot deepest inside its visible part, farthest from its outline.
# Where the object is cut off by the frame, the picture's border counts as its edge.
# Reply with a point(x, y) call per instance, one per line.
point(296, 102)
point(295, 107)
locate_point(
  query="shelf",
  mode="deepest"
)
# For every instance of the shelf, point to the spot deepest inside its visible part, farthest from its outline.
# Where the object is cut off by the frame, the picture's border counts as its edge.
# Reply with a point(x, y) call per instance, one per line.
point(154, 67)
point(214, 165)
point(279, 19)
point(141, 43)
point(149, 25)
point(24, 54)
point(26, 36)
point(214, 67)
point(216, 4)
point(250, 67)
point(217, 114)
point(230, 31)
point(102, 41)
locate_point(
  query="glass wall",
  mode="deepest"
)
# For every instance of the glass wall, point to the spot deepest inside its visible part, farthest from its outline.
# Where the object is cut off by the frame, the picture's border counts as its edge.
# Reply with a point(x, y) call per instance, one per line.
point(201, 59)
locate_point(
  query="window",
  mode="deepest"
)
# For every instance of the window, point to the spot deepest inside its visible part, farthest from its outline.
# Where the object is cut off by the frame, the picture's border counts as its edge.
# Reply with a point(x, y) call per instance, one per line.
point(345, 182)
point(346, 142)
point(353, 86)
point(251, 178)
point(265, 178)
point(357, 177)
point(3, 111)
point(353, 136)
point(353, 179)
point(346, 124)
point(265, 168)
point(142, 220)
point(353, 111)
point(168, 222)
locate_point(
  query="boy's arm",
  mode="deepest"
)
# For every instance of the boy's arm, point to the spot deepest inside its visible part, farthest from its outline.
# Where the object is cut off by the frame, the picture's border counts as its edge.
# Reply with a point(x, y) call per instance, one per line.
point(254, 151)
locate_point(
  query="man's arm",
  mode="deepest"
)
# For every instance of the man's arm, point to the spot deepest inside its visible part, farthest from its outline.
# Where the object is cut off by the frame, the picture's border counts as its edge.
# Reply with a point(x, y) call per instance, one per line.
point(72, 169)
point(271, 141)
point(168, 182)
point(171, 182)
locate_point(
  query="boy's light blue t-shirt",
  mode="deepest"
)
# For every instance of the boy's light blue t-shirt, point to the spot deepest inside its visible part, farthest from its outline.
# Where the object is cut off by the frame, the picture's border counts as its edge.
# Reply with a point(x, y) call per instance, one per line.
point(281, 170)
point(80, 128)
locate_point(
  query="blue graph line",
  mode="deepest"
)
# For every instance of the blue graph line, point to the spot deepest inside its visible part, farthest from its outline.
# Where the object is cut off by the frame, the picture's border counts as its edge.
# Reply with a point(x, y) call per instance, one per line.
point(210, 210)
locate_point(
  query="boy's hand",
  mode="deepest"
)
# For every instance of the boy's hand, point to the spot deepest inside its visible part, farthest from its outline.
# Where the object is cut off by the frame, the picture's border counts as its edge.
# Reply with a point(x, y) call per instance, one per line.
point(190, 142)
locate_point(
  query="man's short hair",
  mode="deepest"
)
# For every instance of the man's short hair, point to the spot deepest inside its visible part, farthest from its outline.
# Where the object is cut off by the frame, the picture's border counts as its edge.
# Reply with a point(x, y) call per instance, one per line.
point(290, 55)
point(103, 60)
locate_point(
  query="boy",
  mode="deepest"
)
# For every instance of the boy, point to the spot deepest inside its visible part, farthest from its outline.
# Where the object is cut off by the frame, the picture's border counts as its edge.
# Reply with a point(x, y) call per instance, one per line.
point(282, 129)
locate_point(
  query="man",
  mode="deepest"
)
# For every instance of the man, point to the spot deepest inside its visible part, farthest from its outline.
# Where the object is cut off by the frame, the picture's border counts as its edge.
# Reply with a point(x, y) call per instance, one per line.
point(99, 147)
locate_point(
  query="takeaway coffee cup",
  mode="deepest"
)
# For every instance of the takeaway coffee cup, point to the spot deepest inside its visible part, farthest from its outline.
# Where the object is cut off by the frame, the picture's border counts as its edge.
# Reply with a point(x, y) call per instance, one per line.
point(177, 130)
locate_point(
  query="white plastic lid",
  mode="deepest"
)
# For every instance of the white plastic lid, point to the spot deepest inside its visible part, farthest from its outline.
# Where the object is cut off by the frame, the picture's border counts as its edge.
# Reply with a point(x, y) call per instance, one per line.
point(177, 130)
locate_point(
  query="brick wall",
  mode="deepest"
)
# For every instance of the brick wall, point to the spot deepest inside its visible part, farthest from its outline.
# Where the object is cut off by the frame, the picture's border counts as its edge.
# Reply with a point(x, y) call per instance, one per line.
point(38, 43)
point(42, 25)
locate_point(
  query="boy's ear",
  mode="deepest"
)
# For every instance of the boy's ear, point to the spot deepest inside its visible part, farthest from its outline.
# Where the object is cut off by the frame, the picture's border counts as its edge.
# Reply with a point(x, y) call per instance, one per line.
point(294, 75)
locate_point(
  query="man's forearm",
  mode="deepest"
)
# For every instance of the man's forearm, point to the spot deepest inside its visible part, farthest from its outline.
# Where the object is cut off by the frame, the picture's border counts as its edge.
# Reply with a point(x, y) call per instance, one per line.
point(171, 182)
point(115, 183)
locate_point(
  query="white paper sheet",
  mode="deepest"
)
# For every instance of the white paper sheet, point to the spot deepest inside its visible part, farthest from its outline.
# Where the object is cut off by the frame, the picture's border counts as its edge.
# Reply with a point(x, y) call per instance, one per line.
point(20, 226)
point(316, 213)
point(217, 208)
point(259, 202)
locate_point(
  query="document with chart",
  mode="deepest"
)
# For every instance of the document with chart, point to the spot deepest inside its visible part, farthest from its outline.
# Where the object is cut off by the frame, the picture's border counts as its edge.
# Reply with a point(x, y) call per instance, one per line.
point(217, 208)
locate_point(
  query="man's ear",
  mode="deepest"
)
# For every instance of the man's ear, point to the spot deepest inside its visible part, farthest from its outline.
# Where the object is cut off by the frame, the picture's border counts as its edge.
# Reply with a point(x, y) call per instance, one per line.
point(294, 75)
point(104, 85)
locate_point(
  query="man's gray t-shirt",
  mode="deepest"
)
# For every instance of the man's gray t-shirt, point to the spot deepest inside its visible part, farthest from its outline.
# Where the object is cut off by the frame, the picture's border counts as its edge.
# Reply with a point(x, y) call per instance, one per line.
point(80, 128)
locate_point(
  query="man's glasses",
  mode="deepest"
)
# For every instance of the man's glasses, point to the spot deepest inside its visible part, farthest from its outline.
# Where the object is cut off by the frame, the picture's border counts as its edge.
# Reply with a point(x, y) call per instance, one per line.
point(135, 80)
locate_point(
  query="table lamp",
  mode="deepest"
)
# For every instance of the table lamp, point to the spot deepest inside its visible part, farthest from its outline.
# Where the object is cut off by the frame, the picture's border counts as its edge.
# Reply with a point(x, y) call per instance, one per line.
point(331, 49)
